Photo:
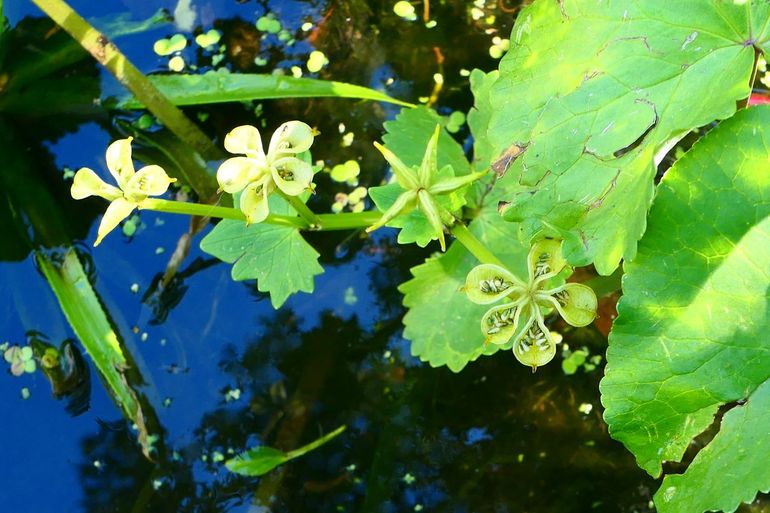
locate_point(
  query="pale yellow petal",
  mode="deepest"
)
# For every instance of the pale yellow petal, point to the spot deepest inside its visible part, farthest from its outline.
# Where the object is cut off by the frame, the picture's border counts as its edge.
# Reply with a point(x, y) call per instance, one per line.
point(245, 140)
point(118, 210)
point(254, 204)
point(86, 183)
point(236, 173)
point(292, 175)
point(148, 181)
point(291, 137)
point(119, 161)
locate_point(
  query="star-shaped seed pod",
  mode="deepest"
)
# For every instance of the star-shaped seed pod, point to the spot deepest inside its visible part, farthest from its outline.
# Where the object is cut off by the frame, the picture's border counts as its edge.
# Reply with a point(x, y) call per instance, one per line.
point(521, 317)
point(257, 174)
point(421, 186)
point(133, 186)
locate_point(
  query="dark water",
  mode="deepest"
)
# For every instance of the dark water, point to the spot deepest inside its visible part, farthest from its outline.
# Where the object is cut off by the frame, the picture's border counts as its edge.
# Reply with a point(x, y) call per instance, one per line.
point(494, 438)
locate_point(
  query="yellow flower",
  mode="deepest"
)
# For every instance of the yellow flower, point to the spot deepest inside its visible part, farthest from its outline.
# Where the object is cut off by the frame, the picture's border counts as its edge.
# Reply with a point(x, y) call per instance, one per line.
point(256, 174)
point(133, 186)
point(521, 319)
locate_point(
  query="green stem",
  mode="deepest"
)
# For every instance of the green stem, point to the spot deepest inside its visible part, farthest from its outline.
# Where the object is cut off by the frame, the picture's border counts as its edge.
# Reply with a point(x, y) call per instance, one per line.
point(474, 245)
point(315, 444)
point(199, 209)
point(107, 54)
point(303, 210)
point(323, 222)
point(348, 221)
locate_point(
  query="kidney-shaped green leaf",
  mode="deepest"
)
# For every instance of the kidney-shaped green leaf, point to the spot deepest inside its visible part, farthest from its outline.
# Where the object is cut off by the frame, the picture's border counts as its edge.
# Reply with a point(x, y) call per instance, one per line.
point(691, 334)
point(591, 91)
point(277, 256)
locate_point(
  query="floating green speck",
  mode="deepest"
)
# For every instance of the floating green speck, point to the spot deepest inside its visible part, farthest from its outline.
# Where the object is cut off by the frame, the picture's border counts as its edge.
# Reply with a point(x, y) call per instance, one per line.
point(176, 63)
point(404, 10)
point(175, 43)
point(346, 172)
point(316, 61)
point(208, 39)
point(268, 24)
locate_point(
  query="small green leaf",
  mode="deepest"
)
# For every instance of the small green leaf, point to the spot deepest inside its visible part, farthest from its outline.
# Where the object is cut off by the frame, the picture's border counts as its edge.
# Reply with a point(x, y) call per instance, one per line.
point(257, 461)
point(281, 261)
point(691, 334)
point(261, 460)
point(83, 310)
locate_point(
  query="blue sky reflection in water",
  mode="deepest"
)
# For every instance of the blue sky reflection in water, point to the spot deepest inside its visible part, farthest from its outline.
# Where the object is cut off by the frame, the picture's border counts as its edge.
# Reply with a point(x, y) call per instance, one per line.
point(223, 371)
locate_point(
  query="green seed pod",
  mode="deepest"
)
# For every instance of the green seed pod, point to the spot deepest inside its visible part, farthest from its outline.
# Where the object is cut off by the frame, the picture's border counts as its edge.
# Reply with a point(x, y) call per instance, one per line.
point(535, 347)
point(576, 304)
point(500, 322)
point(545, 259)
point(487, 283)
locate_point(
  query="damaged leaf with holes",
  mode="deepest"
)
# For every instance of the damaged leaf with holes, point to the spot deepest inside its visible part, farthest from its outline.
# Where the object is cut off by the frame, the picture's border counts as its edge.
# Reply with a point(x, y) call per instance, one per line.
point(589, 94)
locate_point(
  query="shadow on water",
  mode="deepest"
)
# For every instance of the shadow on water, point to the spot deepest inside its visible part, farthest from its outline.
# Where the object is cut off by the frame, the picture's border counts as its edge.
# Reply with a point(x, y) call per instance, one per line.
point(224, 372)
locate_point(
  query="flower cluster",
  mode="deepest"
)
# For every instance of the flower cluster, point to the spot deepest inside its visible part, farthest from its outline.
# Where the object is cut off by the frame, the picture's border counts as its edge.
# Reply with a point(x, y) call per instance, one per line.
point(133, 186)
point(256, 174)
point(521, 317)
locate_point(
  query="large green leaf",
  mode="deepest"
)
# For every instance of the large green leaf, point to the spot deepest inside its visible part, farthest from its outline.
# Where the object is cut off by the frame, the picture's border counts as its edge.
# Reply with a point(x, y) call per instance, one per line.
point(691, 334)
point(214, 87)
point(480, 115)
point(740, 445)
point(478, 122)
point(591, 91)
point(281, 261)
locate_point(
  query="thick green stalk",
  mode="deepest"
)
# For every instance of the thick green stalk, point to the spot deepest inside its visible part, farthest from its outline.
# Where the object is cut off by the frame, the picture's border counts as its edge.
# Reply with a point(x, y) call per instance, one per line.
point(474, 245)
point(107, 54)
